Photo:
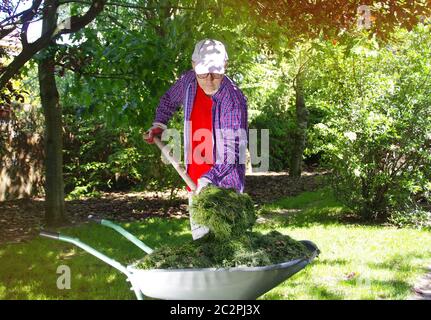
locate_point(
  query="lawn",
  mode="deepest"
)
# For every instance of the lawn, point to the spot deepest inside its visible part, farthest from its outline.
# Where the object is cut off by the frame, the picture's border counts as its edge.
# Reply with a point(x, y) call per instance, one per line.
point(357, 261)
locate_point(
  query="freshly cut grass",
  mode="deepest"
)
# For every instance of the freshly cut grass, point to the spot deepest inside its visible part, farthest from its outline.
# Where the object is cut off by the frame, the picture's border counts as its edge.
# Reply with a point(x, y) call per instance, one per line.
point(225, 212)
point(248, 250)
point(230, 217)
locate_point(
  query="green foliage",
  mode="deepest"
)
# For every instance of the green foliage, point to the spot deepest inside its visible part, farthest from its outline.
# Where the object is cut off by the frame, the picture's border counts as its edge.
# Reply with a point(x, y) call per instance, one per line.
point(225, 212)
point(124, 163)
point(99, 158)
point(248, 250)
point(418, 218)
point(378, 130)
point(276, 110)
point(281, 127)
point(229, 216)
point(121, 68)
point(122, 72)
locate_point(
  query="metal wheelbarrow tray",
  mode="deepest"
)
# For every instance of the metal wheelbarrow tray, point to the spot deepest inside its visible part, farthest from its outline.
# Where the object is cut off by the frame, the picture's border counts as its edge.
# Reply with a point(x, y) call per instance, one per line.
point(197, 284)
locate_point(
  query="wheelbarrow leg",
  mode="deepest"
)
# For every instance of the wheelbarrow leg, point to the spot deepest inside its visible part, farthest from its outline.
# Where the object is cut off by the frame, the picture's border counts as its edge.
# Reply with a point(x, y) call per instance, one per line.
point(138, 293)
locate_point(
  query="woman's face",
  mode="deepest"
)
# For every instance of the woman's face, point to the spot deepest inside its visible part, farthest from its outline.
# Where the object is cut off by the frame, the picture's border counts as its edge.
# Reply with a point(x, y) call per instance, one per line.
point(210, 84)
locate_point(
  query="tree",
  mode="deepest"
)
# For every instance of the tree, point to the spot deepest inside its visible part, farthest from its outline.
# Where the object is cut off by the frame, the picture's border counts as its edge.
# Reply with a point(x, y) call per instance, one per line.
point(309, 19)
point(283, 26)
point(302, 115)
point(378, 130)
point(19, 22)
point(54, 185)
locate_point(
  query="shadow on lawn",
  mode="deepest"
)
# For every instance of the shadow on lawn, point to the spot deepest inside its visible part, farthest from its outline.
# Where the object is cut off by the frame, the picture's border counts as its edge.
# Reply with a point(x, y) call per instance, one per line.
point(313, 291)
point(402, 263)
point(319, 292)
point(311, 217)
point(29, 271)
point(330, 262)
point(311, 208)
point(347, 280)
point(23, 218)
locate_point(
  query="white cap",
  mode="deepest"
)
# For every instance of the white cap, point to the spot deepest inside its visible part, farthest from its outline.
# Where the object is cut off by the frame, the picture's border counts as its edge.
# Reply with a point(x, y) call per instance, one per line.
point(209, 56)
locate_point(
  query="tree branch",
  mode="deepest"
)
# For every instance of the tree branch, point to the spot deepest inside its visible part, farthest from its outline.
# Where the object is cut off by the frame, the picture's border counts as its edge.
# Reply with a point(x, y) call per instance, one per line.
point(108, 76)
point(121, 76)
point(27, 19)
point(116, 22)
point(25, 14)
point(5, 32)
point(76, 23)
point(128, 5)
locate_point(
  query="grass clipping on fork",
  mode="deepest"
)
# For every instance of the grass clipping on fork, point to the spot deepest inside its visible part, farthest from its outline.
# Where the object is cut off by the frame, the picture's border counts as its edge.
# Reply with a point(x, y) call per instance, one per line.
point(225, 212)
point(230, 217)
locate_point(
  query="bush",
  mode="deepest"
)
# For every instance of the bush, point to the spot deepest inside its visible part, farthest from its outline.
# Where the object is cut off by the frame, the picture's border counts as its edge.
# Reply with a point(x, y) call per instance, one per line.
point(280, 126)
point(99, 158)
point(379, 139)
point(278, 116)
point(416, 218)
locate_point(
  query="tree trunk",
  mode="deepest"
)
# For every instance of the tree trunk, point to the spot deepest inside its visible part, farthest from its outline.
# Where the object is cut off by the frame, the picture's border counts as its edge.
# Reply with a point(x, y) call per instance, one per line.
point(54, 185)
point(300, 135)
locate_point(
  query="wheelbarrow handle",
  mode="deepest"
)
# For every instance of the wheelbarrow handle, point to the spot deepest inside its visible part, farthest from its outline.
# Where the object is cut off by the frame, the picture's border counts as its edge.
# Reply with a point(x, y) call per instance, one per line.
point(190, 183)
point(95, 219)
point(78, 243)
point(113, 263)
point(50, 234)
point(123, 232)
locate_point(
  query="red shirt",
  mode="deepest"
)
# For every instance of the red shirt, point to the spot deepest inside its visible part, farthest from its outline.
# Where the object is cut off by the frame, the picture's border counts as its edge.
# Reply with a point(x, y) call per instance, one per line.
point(201, 132)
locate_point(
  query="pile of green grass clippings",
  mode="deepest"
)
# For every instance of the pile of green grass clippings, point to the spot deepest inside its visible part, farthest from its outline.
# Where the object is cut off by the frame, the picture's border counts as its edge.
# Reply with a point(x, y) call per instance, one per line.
point(225, 212)
point(249, 250)
point(230, 217)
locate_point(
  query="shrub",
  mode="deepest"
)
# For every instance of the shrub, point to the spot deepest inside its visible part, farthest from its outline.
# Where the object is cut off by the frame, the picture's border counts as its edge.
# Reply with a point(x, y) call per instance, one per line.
point(379, 137)
point(414, 217)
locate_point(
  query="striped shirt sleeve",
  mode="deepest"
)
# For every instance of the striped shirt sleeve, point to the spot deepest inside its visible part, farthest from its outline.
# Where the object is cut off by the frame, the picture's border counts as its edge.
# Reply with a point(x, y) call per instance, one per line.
point(172, 99)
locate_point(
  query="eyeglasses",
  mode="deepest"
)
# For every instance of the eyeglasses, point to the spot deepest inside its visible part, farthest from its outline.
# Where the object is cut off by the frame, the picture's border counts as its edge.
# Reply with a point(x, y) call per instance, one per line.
point(214, 75)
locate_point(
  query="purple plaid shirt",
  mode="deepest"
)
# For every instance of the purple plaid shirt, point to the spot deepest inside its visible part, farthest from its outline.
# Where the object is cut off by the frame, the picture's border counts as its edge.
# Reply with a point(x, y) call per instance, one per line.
point(230, 128)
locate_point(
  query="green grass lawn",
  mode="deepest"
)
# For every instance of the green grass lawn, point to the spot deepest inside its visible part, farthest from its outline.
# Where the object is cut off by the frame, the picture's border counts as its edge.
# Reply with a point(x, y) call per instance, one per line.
point(357, 261)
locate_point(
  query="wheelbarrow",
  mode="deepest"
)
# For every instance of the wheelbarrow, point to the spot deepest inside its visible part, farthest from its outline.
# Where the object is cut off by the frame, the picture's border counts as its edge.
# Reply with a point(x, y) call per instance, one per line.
point(239, 283)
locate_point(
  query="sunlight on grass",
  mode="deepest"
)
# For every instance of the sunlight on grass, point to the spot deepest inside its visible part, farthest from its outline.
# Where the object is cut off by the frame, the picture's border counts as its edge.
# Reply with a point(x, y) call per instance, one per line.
point(29, 271)
point(356, 261)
